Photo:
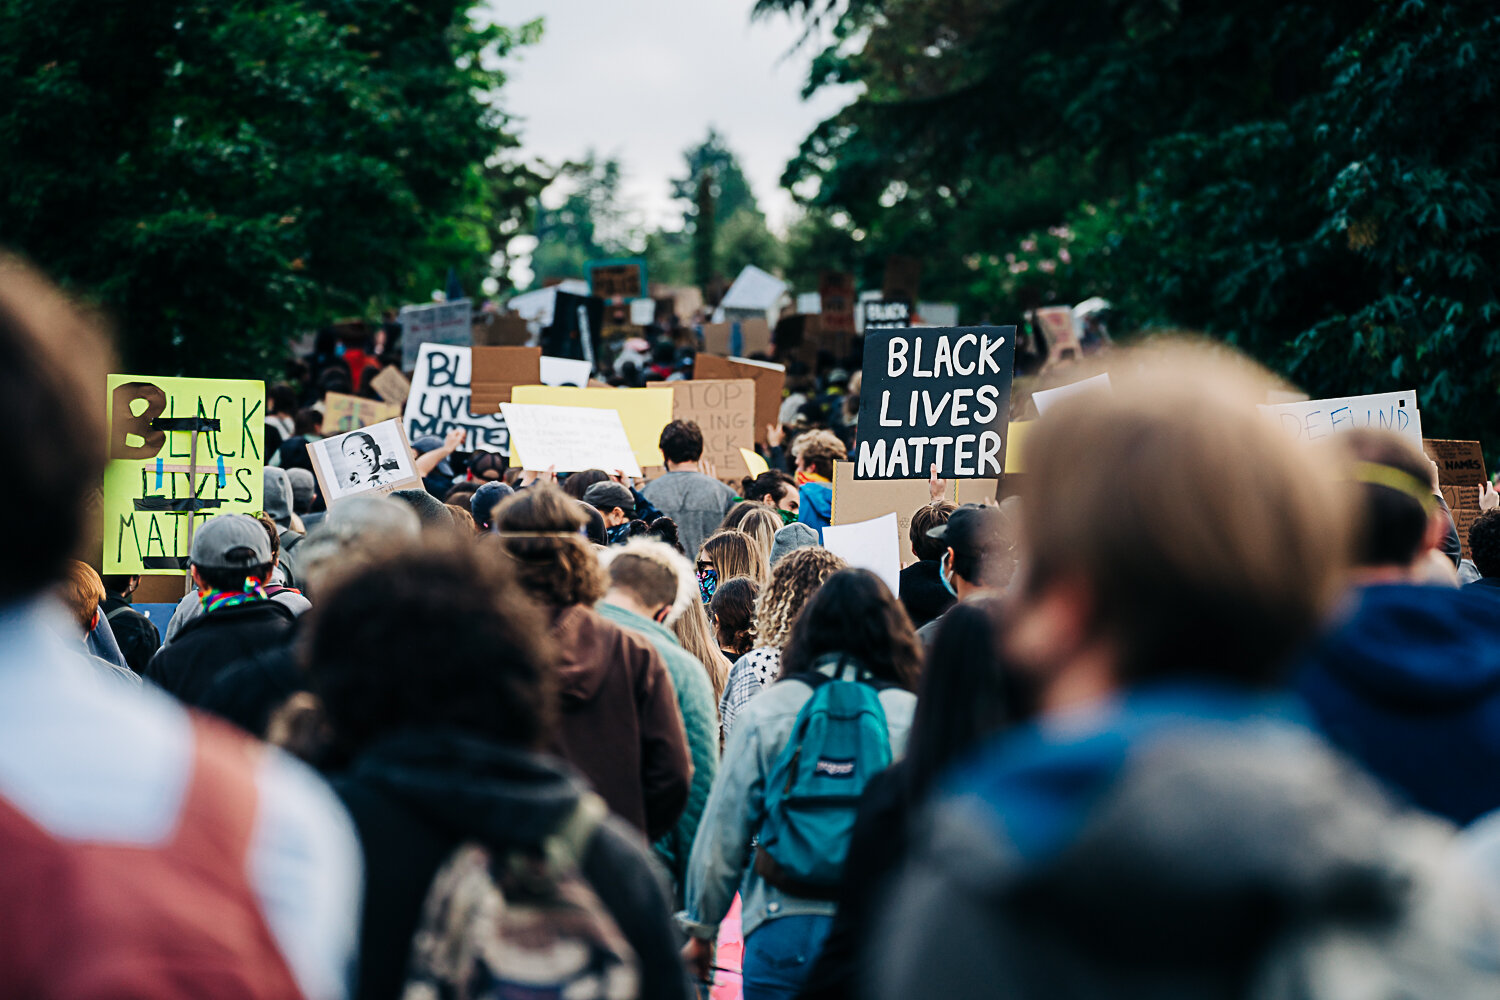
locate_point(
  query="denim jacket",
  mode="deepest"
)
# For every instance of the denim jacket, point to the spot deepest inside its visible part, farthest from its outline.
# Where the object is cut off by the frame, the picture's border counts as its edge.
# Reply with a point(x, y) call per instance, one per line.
point(721, 860)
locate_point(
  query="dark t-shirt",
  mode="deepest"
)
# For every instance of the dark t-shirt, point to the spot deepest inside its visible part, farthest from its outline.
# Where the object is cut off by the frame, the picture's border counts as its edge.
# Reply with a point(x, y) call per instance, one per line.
point(137, 637)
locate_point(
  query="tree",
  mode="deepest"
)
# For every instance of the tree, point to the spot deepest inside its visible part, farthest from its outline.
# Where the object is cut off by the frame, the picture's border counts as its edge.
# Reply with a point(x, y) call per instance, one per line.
point(221, 176)
point(589, 224)
point(727, 227)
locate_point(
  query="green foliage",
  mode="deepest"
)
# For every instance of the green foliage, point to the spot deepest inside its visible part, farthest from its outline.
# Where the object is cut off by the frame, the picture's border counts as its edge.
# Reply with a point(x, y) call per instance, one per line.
point(221, 176)
point(589, 224)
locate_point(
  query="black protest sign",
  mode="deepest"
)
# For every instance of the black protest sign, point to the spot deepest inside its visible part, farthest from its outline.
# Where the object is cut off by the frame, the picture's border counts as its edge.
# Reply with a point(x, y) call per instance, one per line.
point(576, 330)
point(882, 315)
point(935, 396)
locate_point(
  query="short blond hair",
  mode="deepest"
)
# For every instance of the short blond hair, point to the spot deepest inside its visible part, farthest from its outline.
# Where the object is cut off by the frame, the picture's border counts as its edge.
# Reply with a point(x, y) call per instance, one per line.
point(1209, 541)
point(819, 449)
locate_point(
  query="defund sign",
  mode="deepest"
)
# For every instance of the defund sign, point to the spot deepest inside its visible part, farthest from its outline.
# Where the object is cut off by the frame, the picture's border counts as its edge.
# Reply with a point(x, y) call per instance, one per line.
point(935, 396)
point(181, 450)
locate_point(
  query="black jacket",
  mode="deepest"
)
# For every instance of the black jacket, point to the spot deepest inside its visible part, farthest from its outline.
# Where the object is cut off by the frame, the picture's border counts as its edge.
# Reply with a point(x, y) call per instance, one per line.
point(418, 795)
point(922, 592)
point(189, 665)
point(138, 638)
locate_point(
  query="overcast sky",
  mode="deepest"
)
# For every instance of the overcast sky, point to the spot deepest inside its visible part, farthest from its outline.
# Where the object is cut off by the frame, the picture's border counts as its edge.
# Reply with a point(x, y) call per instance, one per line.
point(644, 79)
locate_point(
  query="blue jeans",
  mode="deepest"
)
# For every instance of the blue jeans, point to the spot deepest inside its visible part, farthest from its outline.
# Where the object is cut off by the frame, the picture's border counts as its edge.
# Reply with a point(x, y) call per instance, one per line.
point(780, 954)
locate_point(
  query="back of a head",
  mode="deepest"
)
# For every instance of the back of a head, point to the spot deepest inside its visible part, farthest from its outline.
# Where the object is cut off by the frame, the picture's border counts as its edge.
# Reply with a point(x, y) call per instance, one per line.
point(768, 487)
point(733, 607)
point(355, 531)
point(647, 571)
point(1484, 543)
point(429, 509)
point(81, 591)
point(53, 362)
point(277, 495)
point(735, 553)
point(1392, 496)
point(855, 614)
point(794, 580)
point(369, 647)
point(578, 483)
point(555, 564)
point(1205, 540)
point(761, 524)
point(926, 518)
point(681, 441)
point(304, 489)
point(818, 450)
point(484, 501)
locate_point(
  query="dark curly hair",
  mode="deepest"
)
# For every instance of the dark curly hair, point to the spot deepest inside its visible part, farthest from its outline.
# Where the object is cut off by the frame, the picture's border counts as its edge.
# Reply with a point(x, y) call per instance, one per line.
point(555, 564)
point(856, 614)
point(368, 647)
point(733, 609)
point(681, 441)
point(1484, 543)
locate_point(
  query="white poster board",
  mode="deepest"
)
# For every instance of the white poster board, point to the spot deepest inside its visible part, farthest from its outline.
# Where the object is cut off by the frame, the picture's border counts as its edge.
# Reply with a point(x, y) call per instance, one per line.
point(1314, 419)
point(568, 438)
point(565, 371)
point(439, 401)
point(1044, 398)
point(874, 545)
point(373, 459)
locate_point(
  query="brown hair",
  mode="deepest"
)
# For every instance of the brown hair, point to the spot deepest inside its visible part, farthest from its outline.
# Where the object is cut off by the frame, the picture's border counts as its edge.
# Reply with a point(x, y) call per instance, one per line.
point(924, 520)
point(462, 519)
point(554, 563)
point(82, 591)
point(855, 614)
point(652, 582)
point(696, 635)
point(818, 450)
point(53, 362)
point(737, 554)
point(795, 579)
point(734, 614)
point(1210, 542)
point(272, 532)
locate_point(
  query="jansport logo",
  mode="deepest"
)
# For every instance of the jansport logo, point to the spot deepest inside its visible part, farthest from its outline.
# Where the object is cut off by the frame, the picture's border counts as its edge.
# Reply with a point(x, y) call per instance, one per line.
point(835, 768)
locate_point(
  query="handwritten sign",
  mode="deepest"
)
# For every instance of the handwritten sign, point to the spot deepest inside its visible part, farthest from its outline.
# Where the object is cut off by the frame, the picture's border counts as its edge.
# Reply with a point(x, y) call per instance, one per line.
point(617, 279)
point(570, 438)
point(725, 412)
point(392, 386)
point(1460, 463)
point(439, 401)
point(155, 483)
point(769, 379)
point(447, 323)
point(935, 396)
point(643, 412)
point(1315, 419)
point(342, 412)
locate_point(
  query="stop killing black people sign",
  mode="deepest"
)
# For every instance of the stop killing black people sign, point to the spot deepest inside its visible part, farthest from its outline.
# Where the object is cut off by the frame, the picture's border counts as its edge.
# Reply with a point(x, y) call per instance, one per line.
point(935, 396)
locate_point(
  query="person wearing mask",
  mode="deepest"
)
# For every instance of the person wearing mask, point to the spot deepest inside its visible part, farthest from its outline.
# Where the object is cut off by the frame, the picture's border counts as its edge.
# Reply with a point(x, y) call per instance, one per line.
point(727, 554)
point(1409, 683)
point(976, 558)
point(616, 505)
point(695, 501)
point(1166, 825)
point(792, 583)
point(137, 636)
point(645, 581)
point(231, 564)
point(923, 593)
point(158, 854)
point(619, 723)
point(815, 452)
point(774, 489)
point(853, 630)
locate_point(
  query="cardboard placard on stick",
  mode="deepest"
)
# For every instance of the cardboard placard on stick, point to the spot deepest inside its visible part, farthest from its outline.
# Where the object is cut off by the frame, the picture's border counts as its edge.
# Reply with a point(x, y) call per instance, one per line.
point(862, 499)
point(724, 410)
point(769, 379)
point(737, 339)
point(1059, 330)
point(935, 396)
point(343, 413)
point(500, 330)
point(1460, 463)
point(373, 460)
point(392, 386)
point(498, 370)
point(440, 401)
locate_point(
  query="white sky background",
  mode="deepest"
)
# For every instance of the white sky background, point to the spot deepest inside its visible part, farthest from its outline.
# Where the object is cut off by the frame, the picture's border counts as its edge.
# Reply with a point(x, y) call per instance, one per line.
point(644, 79)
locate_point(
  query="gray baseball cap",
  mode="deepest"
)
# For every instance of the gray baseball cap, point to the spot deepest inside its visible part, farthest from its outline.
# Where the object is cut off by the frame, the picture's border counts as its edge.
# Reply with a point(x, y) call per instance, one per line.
point(230, 541)
point(606, 496)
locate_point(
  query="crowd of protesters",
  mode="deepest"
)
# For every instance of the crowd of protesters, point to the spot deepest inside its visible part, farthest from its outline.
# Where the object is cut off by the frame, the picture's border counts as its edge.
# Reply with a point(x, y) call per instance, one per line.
point(1195, 711)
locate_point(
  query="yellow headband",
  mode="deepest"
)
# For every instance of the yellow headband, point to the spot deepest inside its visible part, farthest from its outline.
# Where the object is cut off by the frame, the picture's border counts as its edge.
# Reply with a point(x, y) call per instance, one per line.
point(1399, 480)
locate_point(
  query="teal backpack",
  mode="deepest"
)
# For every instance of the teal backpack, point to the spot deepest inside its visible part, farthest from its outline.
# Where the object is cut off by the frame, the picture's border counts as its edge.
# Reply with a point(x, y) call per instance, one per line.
point(839, 742)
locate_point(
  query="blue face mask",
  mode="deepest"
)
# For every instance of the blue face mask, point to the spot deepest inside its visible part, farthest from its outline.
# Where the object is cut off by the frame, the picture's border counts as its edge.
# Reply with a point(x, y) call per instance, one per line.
point(619, 534)
point(708, 582)
point(943, 576)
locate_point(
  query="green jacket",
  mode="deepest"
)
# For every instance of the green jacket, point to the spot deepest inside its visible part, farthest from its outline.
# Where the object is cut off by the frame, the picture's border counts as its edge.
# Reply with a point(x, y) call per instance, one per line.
point(700, 717)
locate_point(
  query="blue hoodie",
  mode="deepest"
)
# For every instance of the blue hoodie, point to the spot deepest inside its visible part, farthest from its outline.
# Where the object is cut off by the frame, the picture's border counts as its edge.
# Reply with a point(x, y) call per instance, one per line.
point(1409, 685)
point(816, 505)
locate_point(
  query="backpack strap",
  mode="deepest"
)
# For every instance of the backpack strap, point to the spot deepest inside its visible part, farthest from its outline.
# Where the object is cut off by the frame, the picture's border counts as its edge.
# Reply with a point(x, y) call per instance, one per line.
point(117, 612)
point(564, 847)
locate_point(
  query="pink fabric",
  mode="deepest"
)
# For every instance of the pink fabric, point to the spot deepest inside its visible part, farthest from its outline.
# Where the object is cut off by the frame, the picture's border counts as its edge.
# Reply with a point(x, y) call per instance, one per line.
point(730, 955)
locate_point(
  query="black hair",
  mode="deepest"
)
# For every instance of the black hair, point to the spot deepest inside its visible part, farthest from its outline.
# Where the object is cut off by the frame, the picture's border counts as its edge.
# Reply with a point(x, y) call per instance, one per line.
point(854, 613)
point(233, 579)
point(664, 529)
point(1484, 543)
point(593, 527)
point(771, 485)
point(1393, 523)
point(116, 583)
point(681, 441)
point(368, 440)
point(577, 484)
point(283, 396)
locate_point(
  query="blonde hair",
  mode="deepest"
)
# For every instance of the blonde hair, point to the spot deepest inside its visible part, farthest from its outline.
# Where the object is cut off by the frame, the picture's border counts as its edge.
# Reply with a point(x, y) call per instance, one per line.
point(795, 579)
point(1209, 541)
point(761, 523)
point(693, 631)
point(81, 591)
point(736, 553)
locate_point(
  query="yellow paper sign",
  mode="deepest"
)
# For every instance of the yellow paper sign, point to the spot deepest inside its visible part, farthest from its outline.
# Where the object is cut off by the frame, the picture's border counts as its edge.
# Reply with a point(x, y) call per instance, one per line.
point(643, 412)
point(154, 482)
point(343, 413)
point(757, 464)
point(1015, 437)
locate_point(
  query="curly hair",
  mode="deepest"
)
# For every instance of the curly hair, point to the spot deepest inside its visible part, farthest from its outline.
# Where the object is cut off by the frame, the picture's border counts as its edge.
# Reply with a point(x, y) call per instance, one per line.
point(795, 579)
point(855, 613)
point(736, 553)
point(1484, 543)
point(818, 450)
point(367, 647)
point(734, 614)
point(539, 528)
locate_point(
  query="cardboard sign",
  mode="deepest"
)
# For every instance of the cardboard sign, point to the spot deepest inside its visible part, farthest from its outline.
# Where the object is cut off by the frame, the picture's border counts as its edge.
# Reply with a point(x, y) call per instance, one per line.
point(874, 545)
point(156, 482)
point(372, 460)
point(879, 315)
point(624, 278)
point(747, 336)
point(1321, 418)
point(392, 386)
point(836, 295)
point(1059, 330)
point(903, 276)
point(448, 323)
point(862, 499)
point(568, 438)
point(343, 413)
point(643, 413)
point(498, 370)
point(724, 411)
point(1460, 463)
point(500, 330)
point(439, 401)
point(769, 379)
point(935, 395)
point(1045, 398)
